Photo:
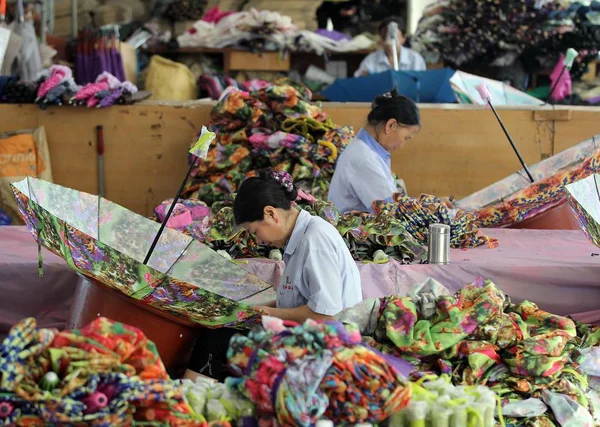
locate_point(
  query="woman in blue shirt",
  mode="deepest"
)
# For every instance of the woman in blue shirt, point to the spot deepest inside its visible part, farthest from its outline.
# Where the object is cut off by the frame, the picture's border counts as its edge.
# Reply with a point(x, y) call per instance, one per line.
point(320, 278)
point(363, 172)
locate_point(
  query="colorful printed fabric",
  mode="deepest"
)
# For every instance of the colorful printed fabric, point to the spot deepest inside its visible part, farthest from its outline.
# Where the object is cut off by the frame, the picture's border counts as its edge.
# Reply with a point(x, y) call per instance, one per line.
point(188, 216)
point(536, 30)
point(417, 214)
point(104, 374)
point(274, 127)
point(478, 336)
point(297, 374)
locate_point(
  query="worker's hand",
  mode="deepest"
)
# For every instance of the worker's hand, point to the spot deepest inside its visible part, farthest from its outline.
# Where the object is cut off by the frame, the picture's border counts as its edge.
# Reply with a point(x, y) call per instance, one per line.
point(265, 309)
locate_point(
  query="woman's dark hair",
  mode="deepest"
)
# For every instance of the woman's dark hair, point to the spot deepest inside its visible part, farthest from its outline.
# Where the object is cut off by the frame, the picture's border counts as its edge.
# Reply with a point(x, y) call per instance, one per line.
point(255, 194)
point(383, 25)
point(394, 106)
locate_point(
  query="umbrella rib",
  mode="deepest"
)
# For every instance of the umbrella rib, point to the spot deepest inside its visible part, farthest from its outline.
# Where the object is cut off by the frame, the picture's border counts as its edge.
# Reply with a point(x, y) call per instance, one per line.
point(170, 269)
point(596, 182)
point(255, 293)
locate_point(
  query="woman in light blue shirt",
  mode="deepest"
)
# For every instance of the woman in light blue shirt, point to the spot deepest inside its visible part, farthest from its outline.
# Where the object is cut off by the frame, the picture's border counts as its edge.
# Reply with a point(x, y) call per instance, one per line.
point(363, 172)
point(320, 278)
point(382, 59)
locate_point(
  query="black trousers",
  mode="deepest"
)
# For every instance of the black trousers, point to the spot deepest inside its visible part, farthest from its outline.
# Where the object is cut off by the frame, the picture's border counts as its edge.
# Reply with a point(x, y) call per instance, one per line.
point(209, 356)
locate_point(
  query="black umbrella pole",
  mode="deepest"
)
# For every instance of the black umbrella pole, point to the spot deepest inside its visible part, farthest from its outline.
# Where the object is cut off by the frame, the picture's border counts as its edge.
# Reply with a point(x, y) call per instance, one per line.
point(512, 143)
point(175, 200)
point(553, 88)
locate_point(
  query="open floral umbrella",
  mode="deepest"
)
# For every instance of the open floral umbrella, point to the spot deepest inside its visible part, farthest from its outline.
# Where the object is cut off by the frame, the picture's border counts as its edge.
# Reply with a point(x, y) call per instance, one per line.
point(107, 242)
point(515, 199)
point(584, 198)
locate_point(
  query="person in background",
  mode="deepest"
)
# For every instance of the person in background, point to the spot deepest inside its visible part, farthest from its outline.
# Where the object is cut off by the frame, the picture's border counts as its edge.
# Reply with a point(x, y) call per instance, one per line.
point(363, 173)
point(320, 278)
point(381, 60)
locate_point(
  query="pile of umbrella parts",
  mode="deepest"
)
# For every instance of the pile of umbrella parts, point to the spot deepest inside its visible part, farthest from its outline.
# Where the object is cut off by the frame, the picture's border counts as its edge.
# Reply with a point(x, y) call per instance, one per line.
point(56, 86)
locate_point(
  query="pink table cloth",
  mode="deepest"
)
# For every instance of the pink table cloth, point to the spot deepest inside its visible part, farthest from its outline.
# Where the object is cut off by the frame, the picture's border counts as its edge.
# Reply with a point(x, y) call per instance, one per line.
point(23, 293)
point(559, 270)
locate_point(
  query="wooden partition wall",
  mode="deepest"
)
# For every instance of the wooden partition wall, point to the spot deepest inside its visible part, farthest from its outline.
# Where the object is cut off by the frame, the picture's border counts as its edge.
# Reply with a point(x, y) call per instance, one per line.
point(459, 150)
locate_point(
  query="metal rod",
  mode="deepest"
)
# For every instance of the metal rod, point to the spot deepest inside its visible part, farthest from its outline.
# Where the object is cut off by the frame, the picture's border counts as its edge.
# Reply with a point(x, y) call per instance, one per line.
point(44, 23)
point(74, 25)
point(100, 151)
point(175, 200)
point(512, 143)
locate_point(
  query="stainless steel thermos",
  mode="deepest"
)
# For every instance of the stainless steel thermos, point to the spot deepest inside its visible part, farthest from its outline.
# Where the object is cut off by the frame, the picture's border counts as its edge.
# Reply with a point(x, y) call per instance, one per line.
point(439, 244)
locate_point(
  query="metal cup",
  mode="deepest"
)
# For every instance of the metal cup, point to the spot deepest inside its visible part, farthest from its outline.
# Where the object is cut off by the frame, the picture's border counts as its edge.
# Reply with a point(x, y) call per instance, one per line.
point(439, 244)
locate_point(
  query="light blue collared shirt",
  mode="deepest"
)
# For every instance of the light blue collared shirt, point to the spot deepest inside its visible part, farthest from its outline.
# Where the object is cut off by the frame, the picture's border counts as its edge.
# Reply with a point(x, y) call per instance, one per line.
point(319, 269)
point(378, 62)
point(362, 175)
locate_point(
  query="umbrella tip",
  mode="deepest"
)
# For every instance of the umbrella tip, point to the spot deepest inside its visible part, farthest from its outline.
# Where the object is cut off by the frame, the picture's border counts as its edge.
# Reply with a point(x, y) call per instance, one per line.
point(484, 92)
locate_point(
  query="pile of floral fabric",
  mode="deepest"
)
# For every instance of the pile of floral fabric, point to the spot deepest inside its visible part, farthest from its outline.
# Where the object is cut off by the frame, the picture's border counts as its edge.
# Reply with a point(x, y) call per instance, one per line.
point(274, 127)
point(105, 374)
point(498, 32)
point(298, 375)
point(530, 358)
point(56, 86)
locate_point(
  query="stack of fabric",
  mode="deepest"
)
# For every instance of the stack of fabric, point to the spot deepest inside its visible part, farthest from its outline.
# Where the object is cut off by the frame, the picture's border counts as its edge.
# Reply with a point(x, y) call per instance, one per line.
point(301, 374)
point(263, 30)
point(481, 32)
point(477, 336)
point(276, 127)
point(104, 374)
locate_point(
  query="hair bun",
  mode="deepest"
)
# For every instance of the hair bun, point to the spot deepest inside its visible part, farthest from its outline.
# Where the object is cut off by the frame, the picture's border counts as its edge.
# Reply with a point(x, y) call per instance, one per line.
point(287, 182)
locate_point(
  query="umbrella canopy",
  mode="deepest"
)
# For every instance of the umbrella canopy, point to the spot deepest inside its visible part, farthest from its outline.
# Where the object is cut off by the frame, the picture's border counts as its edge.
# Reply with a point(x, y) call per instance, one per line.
point(584, 198)
point(432, 86)
point(108, 242)
point(464, 86)
point(515, 198)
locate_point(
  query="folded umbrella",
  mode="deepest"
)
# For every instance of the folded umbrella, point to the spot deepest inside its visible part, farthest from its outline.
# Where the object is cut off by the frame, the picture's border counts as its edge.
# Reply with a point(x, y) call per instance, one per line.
point(431, 86)
point(29, 61)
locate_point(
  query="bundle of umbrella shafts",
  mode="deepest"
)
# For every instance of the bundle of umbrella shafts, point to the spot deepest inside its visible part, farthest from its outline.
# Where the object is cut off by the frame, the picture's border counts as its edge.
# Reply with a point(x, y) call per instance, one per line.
point(472, 32)
point(98, 52)
point(56, 86)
